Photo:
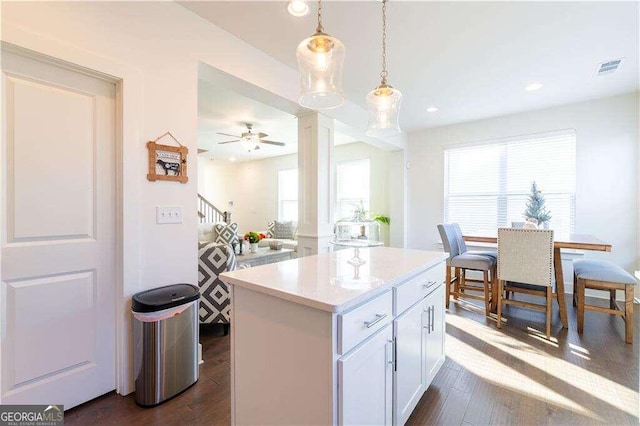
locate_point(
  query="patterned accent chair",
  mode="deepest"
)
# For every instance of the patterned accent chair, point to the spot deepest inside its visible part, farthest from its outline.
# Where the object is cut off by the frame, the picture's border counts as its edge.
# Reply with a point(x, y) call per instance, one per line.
point(214, 259)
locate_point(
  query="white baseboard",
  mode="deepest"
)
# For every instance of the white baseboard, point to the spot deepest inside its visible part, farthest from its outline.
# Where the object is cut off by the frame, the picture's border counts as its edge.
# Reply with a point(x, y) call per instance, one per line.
point(200, 360)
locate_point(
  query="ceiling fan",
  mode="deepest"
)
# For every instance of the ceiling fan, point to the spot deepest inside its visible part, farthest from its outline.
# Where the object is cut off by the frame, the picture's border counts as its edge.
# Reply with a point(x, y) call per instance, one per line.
point(250, 137)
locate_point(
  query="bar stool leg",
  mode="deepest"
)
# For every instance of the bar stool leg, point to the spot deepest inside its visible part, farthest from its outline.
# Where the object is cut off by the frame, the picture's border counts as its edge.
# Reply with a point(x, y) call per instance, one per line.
point(494, 289)
point(485, 276)
point(580, 305)
point(628, 315)
point(549, 309)
point(448, 282)
point(500, 284)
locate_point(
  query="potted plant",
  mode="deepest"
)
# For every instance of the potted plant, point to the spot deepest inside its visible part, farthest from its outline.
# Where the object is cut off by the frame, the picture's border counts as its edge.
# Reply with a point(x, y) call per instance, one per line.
point(382, 219)
point(253, 238)
point(535, 207)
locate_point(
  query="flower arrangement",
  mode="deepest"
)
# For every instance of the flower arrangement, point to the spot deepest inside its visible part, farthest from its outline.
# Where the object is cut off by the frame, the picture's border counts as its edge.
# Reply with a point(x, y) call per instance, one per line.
point(254, 237)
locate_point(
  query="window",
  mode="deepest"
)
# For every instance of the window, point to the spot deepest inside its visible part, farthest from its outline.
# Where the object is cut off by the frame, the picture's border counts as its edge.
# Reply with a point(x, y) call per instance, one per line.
point(352, 187)
point(487, 186)
point(288, 195)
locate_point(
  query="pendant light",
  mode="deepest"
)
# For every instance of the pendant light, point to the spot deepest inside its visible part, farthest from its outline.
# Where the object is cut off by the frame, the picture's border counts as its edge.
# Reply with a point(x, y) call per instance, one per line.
point(383, 102)
point(320, 60)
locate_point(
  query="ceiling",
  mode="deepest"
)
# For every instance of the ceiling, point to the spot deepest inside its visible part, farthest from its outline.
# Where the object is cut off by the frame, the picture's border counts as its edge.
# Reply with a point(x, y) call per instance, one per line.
point(225, 111)
point(471, 59)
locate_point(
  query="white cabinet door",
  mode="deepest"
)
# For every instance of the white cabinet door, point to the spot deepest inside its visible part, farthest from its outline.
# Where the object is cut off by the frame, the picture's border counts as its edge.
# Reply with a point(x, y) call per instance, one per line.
point(365, 381)
point(434, 334)
point(408, 384)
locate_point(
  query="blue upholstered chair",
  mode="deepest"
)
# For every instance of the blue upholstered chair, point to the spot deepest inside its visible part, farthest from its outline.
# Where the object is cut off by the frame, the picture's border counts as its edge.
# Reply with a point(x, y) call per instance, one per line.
point(461, 260)
point(525, 265)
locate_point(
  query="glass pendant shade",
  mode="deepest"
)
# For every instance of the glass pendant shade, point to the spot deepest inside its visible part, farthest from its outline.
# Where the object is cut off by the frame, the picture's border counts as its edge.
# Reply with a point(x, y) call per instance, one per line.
point(320, 62)
point(383, 106)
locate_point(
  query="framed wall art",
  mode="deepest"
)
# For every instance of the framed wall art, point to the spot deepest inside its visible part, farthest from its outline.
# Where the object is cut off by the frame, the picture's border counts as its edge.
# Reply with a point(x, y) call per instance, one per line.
point(167, 162)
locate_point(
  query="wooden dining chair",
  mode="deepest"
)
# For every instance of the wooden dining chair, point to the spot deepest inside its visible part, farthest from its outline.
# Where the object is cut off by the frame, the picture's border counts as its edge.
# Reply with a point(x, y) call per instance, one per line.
point(460, 260)
point(525, 265)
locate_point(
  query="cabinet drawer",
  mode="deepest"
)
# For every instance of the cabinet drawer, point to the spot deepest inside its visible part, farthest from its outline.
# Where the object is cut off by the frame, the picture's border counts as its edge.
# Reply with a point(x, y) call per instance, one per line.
point(363, 321)
point(416, 288)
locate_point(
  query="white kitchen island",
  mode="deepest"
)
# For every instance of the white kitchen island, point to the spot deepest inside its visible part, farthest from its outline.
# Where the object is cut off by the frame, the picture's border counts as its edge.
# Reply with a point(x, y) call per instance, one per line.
point(316, 340)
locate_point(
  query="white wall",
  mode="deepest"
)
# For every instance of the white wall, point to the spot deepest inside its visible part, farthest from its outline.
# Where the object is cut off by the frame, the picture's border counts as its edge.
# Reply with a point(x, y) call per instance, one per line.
point(253, 185)
point(379, 169)
point(607, 145)
point(213, 183)
point(398, 199)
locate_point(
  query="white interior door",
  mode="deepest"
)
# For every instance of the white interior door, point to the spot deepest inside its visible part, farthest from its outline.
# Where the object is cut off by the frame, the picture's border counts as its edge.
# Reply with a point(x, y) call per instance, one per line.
point(57, 303)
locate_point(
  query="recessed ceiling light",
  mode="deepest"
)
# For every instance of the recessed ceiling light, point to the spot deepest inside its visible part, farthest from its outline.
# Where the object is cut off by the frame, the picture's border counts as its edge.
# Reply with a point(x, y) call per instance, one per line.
point(232, 159)
point(533, 86)
point(298, 8)
point(433, 109)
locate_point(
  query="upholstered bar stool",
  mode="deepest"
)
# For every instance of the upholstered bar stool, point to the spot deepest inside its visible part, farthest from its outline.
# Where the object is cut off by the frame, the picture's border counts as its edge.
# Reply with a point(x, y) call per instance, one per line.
point(604, 276)
point(461, 260)
point(525, 265)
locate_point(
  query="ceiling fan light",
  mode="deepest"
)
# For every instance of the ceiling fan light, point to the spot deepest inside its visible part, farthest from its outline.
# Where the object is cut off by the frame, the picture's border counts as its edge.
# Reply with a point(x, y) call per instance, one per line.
point(383, 106)
point(320, 61)
point(247, 144)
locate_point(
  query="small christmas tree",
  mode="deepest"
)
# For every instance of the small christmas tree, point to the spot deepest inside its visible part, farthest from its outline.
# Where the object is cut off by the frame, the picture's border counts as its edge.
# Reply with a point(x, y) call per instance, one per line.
point(535, 206)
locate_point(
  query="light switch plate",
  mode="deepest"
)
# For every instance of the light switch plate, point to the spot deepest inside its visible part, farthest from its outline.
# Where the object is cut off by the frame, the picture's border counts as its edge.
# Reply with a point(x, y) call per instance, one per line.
point(168, 214)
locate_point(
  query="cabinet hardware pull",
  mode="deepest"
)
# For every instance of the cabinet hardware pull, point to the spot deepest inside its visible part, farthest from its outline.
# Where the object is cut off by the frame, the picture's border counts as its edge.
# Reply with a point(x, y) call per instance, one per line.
point(379, 318)
point(429, 284)
point(428, 326)
point(391, 353)
point(433, 318)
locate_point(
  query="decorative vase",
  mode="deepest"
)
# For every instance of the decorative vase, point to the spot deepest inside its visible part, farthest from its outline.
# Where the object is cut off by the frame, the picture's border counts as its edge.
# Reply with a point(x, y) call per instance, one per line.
point(253, 247)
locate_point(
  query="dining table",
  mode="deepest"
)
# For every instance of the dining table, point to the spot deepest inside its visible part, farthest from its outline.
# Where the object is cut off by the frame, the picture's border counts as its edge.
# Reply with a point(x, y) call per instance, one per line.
point(561, 241)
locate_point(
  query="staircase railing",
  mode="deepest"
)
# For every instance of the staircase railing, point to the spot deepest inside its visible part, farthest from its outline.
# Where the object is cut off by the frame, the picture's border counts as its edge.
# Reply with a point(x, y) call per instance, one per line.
point(208, 213)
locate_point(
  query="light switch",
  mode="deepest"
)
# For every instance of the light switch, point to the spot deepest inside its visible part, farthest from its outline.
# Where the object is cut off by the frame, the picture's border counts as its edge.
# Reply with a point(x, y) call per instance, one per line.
point(169, 214)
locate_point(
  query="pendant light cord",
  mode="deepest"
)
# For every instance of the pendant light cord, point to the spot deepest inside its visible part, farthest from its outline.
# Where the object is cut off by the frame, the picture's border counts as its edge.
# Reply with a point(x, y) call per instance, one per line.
point(319, 29)
point(384, 73)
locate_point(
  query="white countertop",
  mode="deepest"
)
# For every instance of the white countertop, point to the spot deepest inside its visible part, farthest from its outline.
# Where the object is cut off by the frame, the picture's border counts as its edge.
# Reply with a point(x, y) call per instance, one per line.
point(328, 282)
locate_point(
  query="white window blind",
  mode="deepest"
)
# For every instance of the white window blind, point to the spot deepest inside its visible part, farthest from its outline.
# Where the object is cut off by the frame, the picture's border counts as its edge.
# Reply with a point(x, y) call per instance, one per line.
point(288, 195)
point(487, 185)
point(352, 187)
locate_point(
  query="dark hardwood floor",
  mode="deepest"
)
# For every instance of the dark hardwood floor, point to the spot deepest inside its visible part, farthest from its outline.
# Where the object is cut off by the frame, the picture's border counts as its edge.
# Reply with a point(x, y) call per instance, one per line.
point(511, 376)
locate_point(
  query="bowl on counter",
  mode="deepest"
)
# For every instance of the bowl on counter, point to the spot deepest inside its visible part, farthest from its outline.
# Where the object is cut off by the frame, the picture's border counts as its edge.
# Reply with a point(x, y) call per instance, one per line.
point(275, 245)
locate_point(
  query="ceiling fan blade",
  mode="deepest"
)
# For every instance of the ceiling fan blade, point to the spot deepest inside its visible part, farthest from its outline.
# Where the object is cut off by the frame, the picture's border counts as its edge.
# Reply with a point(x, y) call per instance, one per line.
point(227, 134)
point(272, 142)
point(200, 150)
point(221, 143)
point(262, 135)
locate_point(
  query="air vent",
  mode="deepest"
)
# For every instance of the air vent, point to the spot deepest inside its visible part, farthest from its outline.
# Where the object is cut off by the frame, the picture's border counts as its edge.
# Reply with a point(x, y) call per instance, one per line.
point(608, 67)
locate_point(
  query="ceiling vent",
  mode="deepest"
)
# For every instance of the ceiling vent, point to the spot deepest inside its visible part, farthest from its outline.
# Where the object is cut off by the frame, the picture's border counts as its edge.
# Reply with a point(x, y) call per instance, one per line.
point(608, 67)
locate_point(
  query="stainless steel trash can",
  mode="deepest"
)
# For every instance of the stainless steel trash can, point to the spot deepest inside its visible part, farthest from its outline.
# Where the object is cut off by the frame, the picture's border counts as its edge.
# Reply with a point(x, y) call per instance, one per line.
point(166, 334)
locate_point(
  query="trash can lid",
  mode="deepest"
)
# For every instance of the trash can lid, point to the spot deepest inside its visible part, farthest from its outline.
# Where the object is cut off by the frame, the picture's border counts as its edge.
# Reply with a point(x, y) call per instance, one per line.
point(165, 297)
